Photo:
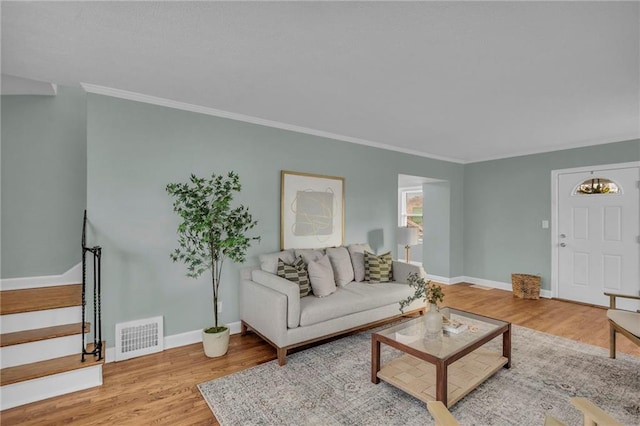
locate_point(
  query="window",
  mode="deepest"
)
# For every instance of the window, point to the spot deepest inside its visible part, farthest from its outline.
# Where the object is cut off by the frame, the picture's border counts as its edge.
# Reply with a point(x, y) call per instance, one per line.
point(597, 186)
point(411, 209)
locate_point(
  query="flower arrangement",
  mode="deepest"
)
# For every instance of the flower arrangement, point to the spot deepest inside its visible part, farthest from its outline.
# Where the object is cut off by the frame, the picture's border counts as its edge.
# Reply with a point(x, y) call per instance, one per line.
point(424, 290)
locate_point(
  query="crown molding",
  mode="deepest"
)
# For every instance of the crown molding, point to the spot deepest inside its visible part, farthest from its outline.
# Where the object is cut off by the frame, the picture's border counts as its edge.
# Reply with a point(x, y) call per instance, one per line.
point(139, 97)
point(562, 147)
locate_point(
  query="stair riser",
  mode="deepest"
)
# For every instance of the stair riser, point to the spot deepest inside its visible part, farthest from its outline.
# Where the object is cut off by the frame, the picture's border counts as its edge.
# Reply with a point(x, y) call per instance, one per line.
point(46, 387)
point(31, 320)
point(27, 353)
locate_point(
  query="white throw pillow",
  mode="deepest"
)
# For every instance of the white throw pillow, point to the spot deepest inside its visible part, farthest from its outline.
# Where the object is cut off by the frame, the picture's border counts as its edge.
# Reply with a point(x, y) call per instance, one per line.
point(269, 261)
point(357, 259)
point(321, 276)
point(341, 264)
point(309, 254)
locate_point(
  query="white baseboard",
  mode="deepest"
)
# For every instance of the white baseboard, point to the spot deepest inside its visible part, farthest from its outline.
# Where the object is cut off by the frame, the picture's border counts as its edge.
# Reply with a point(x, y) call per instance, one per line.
point(500, 285)
point(445, 280)
point(72, 276)
point(177, 340)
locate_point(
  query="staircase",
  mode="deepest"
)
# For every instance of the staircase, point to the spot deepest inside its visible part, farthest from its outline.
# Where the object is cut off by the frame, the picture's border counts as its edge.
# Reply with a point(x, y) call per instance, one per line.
point(41, 345)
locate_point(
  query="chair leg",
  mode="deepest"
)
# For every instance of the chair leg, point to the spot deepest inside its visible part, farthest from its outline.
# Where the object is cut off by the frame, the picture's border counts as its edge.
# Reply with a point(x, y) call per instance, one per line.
point(612, 342)
point(243, 328)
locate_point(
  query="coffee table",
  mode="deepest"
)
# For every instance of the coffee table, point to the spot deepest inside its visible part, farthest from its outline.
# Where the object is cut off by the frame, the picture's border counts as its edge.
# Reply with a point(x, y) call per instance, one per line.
point(444, 367)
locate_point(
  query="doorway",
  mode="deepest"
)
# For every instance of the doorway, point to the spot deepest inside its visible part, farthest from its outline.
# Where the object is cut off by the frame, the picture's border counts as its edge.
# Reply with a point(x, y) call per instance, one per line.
point(595, 240)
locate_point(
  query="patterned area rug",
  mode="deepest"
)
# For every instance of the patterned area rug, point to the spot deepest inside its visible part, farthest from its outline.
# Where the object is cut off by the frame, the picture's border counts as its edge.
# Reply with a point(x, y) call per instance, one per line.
point(330, 384)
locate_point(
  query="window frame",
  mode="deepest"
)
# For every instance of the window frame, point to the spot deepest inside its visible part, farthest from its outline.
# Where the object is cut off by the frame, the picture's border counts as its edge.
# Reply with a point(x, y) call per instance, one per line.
point(402, 207)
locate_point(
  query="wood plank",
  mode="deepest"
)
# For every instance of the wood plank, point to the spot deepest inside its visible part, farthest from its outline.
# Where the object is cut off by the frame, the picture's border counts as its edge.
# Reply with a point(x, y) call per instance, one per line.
point(26, 336)
point(418, 378)
point(40, 299)
point(39, 369)
point(161, 388)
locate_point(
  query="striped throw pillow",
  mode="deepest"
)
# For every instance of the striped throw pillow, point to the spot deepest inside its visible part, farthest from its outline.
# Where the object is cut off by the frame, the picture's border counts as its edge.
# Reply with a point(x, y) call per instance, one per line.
point(296, 272)
point(378, 268)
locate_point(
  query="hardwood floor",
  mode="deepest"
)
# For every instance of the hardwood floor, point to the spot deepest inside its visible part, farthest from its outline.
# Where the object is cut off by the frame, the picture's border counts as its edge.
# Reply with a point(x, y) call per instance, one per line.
point(161, 388)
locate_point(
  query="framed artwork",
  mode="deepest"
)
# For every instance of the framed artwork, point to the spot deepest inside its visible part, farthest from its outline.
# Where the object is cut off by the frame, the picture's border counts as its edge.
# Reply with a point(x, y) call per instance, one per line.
point(311, 210)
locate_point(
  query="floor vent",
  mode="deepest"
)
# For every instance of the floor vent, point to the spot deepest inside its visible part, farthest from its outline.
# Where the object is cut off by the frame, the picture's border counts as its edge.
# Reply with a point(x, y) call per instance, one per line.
point(141, 337)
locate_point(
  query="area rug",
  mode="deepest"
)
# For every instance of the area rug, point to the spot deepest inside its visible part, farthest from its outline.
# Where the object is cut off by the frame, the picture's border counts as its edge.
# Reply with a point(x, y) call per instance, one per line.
point(330, 384)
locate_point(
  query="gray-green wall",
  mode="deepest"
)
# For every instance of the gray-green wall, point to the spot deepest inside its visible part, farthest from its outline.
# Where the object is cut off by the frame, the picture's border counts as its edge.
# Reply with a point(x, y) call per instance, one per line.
point(116, 157)
point(135, 149)
point(505, 202)
point(44, 160)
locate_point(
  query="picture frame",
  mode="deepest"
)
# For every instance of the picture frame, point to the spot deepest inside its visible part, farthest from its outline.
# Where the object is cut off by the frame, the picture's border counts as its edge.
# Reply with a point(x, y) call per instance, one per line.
point(311, 210)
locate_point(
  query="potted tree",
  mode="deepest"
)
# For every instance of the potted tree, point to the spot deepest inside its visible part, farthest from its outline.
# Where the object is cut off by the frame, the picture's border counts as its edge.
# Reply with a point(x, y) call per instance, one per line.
point(210, 232)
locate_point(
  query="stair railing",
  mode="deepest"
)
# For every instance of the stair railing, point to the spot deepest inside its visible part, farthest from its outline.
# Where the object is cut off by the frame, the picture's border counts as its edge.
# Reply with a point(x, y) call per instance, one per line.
point(96, 256)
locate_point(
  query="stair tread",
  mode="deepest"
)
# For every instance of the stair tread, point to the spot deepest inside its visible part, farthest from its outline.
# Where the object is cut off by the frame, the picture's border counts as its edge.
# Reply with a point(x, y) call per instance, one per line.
point(21, 373)
point(26, 336)
point(38, 299)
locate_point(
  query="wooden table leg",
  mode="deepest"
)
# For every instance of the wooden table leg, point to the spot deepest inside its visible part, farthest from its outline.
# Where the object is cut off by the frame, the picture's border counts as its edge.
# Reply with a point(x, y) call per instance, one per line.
point(441, 382)
point(375, 359)
point(506, 346)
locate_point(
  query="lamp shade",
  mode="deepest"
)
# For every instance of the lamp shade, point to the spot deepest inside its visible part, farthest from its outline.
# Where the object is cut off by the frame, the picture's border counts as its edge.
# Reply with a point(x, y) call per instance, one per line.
point(407, 236)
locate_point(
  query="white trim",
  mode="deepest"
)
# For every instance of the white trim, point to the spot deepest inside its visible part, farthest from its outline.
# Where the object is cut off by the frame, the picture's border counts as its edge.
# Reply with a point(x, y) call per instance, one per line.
point(72, 276)
point(555, 181)
point(500, 285)
point(441, 280)
point(153, 100)
point(21, 393)
point(555, 148)
point(177, 340)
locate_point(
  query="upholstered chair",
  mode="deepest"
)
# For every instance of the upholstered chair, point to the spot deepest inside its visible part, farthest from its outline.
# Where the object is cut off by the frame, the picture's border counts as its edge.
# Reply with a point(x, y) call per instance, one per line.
point(624, 322)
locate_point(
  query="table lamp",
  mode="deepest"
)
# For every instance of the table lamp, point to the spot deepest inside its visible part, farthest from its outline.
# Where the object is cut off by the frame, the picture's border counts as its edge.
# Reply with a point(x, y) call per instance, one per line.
point(407, 236)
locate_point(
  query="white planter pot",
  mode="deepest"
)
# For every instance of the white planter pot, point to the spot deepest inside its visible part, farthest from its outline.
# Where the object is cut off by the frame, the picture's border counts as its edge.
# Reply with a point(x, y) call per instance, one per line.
point(215, 344)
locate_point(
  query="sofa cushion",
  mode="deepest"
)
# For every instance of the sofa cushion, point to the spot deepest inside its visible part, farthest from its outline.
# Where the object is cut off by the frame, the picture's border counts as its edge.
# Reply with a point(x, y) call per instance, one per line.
point(356, 297)
point(357, 259)
point(321, 276)
point(378, 268)
point(269, 261)
point(296, 272)
point(309, 254)
point(628, 320)
point(341, 264)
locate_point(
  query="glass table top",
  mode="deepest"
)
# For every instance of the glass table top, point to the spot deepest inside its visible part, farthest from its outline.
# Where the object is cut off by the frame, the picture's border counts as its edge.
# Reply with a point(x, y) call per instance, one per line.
point(413, 333)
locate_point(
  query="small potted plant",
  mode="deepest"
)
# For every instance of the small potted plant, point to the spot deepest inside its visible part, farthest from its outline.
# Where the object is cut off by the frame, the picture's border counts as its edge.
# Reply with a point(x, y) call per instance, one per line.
point(210, 232)
point(430, 293)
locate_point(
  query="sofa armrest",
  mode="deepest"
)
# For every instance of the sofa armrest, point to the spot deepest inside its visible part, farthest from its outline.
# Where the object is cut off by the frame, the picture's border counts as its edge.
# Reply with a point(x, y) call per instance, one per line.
point(264, 310)
point(286, 287)
point(401, 271)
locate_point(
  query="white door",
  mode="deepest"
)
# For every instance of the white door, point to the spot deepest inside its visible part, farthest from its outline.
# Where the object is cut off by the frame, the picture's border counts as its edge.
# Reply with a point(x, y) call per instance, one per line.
point(598, 237)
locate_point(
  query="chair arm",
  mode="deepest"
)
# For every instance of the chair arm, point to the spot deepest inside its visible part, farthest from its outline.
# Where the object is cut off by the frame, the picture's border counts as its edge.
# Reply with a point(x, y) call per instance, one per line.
point(286, 287)
point(401, 271)
point(593, 414)
point(264, 310)
point(612, 298)
point(441, 414)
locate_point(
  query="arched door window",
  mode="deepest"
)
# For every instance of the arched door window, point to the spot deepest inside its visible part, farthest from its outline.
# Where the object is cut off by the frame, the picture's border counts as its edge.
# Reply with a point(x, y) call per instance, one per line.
point(597, 186)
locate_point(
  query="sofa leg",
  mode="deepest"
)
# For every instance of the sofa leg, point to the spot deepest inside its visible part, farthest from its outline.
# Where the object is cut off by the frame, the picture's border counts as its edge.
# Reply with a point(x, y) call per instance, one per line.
point(282, 356)
point(243, 328)
point(612, 342)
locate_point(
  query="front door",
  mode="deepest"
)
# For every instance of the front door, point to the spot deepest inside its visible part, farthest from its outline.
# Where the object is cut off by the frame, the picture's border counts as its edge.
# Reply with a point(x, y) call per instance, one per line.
point(598, 235)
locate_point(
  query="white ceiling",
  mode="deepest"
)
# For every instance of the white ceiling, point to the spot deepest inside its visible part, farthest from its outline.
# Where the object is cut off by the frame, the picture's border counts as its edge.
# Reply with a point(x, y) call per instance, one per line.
point(465, 81)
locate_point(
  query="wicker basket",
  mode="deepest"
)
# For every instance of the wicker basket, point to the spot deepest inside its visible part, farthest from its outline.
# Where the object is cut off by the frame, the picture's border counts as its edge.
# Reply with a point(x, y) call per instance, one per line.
point(526, 286)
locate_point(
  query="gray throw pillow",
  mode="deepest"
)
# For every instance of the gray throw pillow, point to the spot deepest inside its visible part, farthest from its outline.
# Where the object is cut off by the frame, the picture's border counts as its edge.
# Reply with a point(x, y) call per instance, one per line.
point(357, 259)
point(341, 264)
point(269, 261)
point(309, 254)
point(321, 276)
point(378, 268)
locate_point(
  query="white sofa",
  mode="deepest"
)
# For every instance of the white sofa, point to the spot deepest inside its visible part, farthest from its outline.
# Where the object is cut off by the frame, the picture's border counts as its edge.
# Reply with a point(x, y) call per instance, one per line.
point(271, 306)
